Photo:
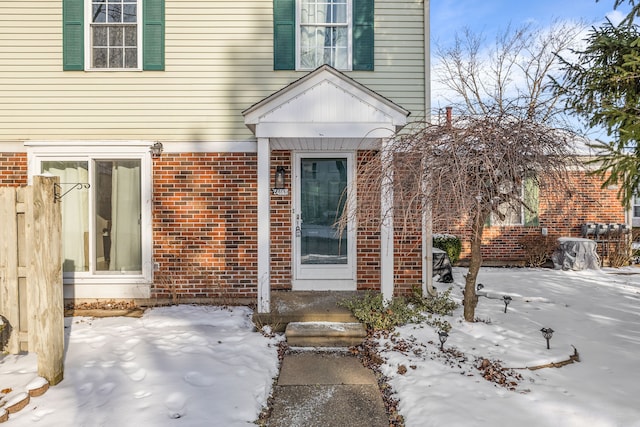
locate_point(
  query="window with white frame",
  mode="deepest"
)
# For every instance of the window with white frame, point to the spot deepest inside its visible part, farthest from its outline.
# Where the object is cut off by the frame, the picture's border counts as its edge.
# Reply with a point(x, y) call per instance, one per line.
point(636, 206)
point(109, 35)
point(525, 213)
point(114, 34)
point(324, 28)
point(106, 211)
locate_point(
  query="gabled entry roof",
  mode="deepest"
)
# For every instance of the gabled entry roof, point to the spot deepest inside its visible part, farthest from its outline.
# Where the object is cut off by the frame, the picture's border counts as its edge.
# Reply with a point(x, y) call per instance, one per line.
point(325, 105)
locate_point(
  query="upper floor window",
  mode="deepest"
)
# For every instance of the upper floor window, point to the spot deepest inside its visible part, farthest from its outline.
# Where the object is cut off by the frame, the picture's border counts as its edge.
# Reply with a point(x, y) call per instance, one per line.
point(114, 27)
point(311, 33)
point(113, 35)
point(324, 28)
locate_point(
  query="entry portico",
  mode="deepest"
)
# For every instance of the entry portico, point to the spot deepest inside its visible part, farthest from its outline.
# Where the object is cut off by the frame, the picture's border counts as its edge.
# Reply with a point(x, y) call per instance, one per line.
point(323, 119)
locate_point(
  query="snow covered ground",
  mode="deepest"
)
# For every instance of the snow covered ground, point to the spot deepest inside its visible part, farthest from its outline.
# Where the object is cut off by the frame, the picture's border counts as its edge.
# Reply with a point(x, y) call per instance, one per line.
point(205, 366)
point(598, 312)
point(176, 366)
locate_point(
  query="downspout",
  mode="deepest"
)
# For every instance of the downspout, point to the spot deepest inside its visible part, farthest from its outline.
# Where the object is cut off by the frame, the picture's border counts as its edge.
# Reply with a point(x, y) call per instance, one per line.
point(427, 217)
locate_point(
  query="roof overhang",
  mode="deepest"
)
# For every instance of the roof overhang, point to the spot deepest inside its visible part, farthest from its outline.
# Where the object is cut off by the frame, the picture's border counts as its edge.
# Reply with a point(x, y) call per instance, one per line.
point(327, 110)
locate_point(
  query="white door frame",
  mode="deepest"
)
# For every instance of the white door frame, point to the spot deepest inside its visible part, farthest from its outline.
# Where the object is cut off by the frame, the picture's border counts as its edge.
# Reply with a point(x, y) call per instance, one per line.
point(323, 277)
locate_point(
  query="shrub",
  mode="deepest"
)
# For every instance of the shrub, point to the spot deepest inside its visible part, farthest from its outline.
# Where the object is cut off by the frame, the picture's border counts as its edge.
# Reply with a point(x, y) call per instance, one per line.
point(441, 304)
point(371, 310)
point(450, 244)
point(620, 251)
point(538, 248)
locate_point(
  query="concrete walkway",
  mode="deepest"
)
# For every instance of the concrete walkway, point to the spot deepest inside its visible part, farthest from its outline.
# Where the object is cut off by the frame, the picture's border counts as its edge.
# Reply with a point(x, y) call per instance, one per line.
point(326, 389)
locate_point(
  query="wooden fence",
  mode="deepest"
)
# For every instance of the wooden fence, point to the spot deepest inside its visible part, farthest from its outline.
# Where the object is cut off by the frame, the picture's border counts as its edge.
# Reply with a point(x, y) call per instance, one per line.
point(31, 299)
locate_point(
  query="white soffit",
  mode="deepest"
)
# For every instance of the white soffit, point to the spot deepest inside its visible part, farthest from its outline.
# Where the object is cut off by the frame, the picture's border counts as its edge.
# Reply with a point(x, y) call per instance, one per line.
point(325, 104)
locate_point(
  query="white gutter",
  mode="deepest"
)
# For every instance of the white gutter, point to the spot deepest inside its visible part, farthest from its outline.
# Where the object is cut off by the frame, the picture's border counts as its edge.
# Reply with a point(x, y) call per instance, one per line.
point(427, 220)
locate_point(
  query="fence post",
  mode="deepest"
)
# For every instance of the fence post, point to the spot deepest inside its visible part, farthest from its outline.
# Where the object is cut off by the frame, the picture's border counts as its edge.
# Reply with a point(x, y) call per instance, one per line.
point(44, 286)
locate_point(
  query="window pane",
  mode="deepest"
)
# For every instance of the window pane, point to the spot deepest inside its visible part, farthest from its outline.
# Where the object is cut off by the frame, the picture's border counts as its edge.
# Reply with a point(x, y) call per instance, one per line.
point(99, 58)
point(308, 44)
point(339, 13)
point(118, 213)
point(116, 36)
point(116, 58)
point(115, 13)
point(130, 36)
point(323, 12)
point(307, 12)
point(75, 212)
point(99, 13)
point(129, 13)
point(131, 58)
point(99, 38)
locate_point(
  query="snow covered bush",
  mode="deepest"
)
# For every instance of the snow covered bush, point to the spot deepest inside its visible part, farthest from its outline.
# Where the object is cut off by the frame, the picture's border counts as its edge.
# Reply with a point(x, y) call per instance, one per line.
point(450, 244)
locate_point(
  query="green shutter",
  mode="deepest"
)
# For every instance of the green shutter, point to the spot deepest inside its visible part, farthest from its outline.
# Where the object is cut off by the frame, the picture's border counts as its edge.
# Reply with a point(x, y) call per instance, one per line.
point(363, 35)
point(73, 35)
point(532, 201)
point(153, 35)
point(284, 34)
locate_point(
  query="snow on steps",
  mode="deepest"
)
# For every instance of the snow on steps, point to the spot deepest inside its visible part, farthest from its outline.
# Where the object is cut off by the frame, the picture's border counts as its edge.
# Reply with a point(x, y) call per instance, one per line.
point(15, 402)
point(325, 334)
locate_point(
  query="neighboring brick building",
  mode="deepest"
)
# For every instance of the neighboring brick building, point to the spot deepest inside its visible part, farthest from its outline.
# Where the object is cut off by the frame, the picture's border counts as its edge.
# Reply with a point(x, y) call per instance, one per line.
point(560, 214)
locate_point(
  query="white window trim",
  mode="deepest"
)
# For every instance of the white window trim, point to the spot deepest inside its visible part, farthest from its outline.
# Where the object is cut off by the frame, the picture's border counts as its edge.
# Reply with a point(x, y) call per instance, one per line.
point(635, 220)
point(87, 39)
point(86, 285)
point(349, 37)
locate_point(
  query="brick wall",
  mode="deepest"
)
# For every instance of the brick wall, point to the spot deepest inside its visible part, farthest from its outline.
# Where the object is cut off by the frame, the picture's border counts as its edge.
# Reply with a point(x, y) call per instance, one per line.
point(562, 213)
point(13, 169)
point(368, 239)
point(205, 225)
point(281, 244)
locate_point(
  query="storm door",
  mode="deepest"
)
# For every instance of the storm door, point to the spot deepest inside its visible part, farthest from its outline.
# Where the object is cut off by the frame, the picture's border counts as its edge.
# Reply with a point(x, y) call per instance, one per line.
point(323, 249)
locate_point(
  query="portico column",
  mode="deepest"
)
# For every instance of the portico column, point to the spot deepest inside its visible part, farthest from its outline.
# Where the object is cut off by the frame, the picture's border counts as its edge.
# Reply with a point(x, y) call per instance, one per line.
point(386, 228)
point(264, 226)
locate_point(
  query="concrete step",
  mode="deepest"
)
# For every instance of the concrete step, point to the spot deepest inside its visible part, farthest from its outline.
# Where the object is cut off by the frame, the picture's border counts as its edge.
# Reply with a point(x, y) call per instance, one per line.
point(305, 306)
point(325, 334)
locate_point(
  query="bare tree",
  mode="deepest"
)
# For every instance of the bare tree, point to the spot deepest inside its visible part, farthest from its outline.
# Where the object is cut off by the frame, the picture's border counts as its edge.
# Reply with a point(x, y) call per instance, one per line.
point(468, 170)
point(517, 70)
point(475, 164)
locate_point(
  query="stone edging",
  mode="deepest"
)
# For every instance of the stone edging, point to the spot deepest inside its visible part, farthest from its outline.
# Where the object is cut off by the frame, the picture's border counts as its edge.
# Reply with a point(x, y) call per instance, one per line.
point(19, 401)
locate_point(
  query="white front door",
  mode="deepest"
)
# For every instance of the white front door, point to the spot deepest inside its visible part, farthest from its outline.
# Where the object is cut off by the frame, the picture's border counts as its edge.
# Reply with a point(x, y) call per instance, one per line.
point(324, 255)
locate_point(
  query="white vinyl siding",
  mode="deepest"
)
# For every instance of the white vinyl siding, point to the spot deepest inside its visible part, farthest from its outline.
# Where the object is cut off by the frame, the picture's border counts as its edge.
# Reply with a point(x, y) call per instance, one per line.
point(219, 61)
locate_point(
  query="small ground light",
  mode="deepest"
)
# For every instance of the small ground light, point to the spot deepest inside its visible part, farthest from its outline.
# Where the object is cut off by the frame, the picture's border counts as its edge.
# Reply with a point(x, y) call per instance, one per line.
point(443, 338)
point(547, 333)
point(507, 300)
